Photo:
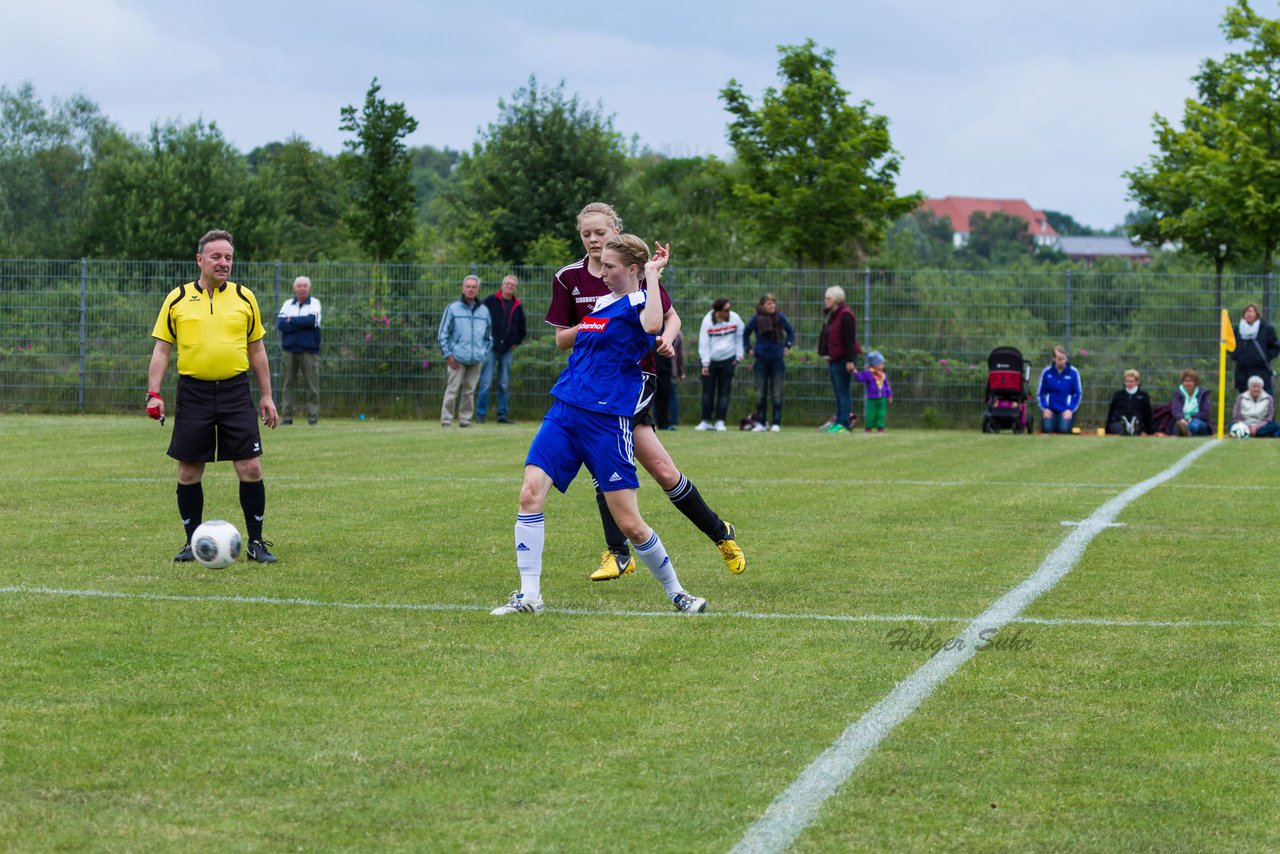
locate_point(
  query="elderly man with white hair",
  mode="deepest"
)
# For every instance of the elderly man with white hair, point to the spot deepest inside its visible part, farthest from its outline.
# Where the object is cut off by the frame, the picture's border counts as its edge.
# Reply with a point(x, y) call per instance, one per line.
point(299, 325)
point(1256, 410)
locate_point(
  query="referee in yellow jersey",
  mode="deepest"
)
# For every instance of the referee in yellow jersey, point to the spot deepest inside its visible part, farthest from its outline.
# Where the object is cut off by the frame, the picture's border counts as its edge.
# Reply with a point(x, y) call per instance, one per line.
point(218, 330)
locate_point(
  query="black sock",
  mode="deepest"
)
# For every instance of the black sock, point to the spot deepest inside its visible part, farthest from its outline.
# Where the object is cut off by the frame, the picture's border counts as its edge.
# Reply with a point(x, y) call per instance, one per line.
point(685, 496)
point(253, 500)
point(613, 536)
point(190, 506)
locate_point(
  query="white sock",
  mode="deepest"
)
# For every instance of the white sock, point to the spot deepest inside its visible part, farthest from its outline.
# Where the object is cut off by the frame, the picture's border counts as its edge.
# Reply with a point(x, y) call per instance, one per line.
point(531, 533)
point(654, 555)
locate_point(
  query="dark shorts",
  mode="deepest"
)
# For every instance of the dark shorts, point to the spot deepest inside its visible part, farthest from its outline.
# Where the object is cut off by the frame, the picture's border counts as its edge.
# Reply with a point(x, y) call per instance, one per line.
point(644, 415)
point(215, 420)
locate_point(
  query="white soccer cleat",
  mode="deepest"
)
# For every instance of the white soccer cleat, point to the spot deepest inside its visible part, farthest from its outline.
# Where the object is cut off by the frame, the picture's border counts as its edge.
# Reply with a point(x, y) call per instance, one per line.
point(720, 428)
point(518, 604)
point(759, 428)
point(689, 604)
point(775, 429)
point(703, 425)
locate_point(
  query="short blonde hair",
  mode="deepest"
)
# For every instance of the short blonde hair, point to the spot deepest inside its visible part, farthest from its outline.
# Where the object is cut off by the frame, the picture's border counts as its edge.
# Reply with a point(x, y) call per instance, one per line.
point(1059, 350)
point(1137, 377)
point(835, 292)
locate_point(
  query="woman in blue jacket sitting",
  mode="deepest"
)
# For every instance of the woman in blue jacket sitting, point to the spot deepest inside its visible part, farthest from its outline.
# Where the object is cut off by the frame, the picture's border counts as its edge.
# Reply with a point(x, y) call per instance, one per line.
point(1059, 394)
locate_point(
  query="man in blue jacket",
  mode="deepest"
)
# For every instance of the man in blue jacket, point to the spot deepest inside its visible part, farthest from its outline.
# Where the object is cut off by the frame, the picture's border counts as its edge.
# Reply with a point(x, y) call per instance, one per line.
point(465, 338)
point(1059, 394)
point(299, 325)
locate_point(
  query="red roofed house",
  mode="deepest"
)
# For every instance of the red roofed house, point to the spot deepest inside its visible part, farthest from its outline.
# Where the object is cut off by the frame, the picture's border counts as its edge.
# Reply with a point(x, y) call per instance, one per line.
point(959, 208)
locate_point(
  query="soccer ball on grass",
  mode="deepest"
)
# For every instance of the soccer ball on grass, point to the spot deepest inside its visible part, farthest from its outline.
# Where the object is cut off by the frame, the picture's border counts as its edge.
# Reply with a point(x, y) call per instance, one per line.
point(216, 544)
point(1240, 430)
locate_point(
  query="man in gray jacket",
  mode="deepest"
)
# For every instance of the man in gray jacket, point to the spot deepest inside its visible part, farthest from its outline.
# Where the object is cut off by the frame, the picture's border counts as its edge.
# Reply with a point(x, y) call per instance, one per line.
point(465, 339)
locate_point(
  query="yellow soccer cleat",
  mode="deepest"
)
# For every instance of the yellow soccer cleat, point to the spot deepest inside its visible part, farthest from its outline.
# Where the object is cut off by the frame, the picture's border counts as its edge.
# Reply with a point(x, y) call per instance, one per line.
point(613, 566)
point(732, 552)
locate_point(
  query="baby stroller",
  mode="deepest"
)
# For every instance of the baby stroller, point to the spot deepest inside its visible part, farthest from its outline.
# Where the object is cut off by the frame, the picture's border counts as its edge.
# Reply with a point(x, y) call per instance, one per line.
point(1006, 395)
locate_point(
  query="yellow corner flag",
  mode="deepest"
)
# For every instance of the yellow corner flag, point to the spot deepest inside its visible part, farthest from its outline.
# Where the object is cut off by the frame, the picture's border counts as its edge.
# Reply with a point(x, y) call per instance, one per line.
point(1227, 343)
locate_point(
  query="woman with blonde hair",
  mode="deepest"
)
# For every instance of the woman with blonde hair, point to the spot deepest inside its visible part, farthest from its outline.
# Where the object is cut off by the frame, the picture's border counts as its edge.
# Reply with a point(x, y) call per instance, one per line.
point(838, 344)
point(574, 291)
point(1059, 394)
point(589, 423)
point(1129, 413)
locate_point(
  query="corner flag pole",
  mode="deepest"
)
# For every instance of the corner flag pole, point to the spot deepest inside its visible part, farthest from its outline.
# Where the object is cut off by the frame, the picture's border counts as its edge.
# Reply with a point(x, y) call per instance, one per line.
point(1226, 343)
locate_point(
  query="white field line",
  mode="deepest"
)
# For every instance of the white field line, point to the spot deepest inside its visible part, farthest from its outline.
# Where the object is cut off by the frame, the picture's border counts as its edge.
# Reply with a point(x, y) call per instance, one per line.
point(797, 806)
point(319, 480)
point(17, 590)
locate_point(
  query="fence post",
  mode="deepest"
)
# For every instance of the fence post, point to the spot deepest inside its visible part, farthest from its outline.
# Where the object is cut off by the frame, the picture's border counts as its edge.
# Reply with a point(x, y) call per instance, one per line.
point(1066, 341)
point(84, 321)
point(1267, 298)
point(279, 380)
point(866, 305)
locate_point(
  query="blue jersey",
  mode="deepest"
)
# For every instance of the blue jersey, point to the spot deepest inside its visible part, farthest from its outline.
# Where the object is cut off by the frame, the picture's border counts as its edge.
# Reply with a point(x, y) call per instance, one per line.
point(603, 374)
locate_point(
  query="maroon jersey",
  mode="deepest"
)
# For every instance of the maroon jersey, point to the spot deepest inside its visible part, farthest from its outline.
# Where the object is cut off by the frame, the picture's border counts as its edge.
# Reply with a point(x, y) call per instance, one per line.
point(574, 292)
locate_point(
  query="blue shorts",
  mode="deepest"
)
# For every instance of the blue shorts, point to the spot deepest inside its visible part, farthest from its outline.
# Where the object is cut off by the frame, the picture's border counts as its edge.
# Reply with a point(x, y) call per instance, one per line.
point(571, 437)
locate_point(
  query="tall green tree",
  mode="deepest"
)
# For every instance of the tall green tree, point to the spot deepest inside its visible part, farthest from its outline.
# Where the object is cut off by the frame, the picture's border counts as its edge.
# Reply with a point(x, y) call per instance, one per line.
point(47, 157)
point(529, 174)
point(301, 186)
point(818, 173)
point(1214, 185)
point(155, 199)
point(997, 237)
point(379, 170)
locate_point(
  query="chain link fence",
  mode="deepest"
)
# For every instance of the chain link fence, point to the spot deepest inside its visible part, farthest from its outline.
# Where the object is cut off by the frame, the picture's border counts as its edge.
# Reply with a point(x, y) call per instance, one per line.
point(75, 334)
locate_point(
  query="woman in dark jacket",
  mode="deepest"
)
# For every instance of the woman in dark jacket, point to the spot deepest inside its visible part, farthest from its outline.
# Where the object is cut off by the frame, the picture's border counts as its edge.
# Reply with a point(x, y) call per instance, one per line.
point(1130, 411)
point(769, 337)
point(838, 344)
point(1256, 347)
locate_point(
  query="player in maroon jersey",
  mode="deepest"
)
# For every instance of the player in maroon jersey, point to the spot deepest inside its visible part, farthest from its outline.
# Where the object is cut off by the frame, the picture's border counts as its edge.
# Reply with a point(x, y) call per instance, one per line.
point(574, 291)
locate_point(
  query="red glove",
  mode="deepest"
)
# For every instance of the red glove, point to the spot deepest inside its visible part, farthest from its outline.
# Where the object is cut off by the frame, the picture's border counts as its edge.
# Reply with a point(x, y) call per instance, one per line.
point(154, 402)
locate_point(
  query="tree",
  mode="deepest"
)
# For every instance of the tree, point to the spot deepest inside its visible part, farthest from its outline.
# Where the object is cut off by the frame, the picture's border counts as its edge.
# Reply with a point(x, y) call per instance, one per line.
point(431, 170)
point(47, 158)
point(1066, 225)
point(154, 200)
point(817, 173)
point(1214, 186)
point(530, 173)
point(380, 173)
point(998, 237)
point(303, 190)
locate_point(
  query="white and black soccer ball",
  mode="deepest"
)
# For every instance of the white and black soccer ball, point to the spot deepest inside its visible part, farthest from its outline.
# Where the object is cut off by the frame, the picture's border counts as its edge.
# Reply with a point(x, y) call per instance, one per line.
point(216, 544)
point(1240, 430)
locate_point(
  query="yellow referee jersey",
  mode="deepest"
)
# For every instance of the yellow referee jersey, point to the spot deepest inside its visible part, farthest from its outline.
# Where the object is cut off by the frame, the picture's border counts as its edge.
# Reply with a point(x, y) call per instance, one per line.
point(212, 329)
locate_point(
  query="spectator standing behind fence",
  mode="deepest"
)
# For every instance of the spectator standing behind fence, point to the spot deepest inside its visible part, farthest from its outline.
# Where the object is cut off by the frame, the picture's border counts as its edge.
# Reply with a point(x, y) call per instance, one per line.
point(1256, 409)
point(666, 397)
point(1129, 413)
point(720, 351)
point(774, 338)
point(299, 325)
point(1059, 394)
point(1191, 408)
point(465, 339)
point(506, 315)
point(1256, 347)
point(879, 394)
point(838, 344)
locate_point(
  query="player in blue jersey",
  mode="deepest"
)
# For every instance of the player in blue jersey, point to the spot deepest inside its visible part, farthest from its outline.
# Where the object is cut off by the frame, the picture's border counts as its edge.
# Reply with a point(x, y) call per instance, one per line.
point(590, 423)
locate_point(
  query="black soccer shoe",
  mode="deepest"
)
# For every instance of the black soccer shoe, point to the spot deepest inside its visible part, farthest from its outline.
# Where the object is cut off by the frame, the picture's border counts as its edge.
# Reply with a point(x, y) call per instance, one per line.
point(185, 555)
point(258, 551)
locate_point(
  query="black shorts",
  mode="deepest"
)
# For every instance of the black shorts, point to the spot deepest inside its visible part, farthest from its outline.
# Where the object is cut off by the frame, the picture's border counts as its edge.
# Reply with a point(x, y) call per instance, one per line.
point(215, 420)
point(644, 415)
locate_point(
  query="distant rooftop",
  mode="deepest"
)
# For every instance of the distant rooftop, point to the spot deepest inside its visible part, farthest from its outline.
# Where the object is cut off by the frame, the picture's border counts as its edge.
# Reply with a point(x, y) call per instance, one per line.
point(1101, 247)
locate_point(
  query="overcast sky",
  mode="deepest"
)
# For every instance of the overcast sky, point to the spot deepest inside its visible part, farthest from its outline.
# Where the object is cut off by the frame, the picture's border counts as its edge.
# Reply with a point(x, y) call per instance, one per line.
point(1049, 102)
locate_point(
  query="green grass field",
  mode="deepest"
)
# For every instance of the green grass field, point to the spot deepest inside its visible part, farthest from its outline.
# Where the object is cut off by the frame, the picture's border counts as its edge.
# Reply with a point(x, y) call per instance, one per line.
point(358, 696)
